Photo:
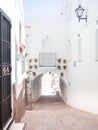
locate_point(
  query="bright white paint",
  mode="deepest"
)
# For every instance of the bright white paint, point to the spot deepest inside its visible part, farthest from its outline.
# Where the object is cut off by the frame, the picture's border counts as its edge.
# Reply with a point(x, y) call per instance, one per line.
point(83, 76)
point(46, 34)
point(14, 10)
point(96, 44)
point(42, 26)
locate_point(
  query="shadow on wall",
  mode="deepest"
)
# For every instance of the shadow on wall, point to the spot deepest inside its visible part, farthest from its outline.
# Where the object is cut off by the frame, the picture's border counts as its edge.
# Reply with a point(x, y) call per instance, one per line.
point(63, 89)
point(36, 87)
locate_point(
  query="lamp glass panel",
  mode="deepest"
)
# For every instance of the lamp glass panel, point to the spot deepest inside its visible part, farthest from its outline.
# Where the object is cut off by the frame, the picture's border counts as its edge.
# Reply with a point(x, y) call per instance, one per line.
point(79, 12)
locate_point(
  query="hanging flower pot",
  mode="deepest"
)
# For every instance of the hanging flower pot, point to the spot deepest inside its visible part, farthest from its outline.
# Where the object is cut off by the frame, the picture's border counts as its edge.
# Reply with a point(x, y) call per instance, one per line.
point(26, 54)
point(34, 74)
point(30, 60)
point(35, 66)
point(59, 67)
point(21, 49)
point(59, 60)
point(64, 67)
point(23, 46)
point(62, 74)
point(35, 59)
point(30, 66)
point(64, 61)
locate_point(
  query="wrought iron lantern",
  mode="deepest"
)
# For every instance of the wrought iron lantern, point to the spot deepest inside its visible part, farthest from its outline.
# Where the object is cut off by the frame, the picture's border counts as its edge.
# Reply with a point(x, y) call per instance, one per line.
point(79, 13)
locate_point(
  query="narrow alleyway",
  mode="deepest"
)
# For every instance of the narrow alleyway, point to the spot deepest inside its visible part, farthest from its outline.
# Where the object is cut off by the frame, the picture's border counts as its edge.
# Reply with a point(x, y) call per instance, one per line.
point(51, 113)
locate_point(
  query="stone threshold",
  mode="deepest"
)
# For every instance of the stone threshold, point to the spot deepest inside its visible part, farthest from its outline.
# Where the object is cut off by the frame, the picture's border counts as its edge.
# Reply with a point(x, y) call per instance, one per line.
point(18, 126)
point(6, 127)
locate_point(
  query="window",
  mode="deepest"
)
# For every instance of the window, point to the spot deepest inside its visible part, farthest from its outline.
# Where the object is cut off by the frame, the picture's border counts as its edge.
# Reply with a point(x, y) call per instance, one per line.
point(79, 49)
point(96, 45)
point(69, 51)
point(47, 59)
point(20, 33)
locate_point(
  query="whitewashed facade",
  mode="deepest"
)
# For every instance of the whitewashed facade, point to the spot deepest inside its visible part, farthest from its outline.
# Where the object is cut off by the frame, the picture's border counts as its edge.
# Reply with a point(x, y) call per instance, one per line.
point(82, 44)
point(14, 10)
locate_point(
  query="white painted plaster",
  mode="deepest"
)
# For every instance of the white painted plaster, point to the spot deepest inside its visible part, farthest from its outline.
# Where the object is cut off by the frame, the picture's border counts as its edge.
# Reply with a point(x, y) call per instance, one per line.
point(83, 82)
point(14, 10)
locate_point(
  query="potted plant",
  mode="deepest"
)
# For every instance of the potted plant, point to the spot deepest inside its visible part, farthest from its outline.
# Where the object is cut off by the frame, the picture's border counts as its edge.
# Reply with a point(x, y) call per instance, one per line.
point(35, 66)
point(26, 54)
point(34, 73)
point(64, 67)
point(59, 60)
point(30, 60)
point(21, 48)
point(35, 59)
point(61, 74)
point(64, 61)
point(59, 67)
point(30, 66)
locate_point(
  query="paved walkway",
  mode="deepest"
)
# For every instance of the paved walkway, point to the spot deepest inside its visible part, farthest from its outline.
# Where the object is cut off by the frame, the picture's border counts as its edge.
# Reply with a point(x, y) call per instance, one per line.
point(51, 113)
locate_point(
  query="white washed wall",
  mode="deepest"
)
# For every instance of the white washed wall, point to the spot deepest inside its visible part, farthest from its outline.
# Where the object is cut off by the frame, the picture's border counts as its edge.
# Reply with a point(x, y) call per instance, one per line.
point(14, 10)
point(48, 34)
point(42, 26)
point(83, 82)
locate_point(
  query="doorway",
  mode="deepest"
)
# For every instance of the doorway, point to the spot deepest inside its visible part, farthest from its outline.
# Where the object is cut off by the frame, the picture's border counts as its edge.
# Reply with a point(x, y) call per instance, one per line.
point(5, 69)
point(50, 84)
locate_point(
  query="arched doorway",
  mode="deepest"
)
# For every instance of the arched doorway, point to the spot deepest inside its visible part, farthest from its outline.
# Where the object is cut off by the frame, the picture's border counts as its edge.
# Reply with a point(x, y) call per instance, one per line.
point(50, 84)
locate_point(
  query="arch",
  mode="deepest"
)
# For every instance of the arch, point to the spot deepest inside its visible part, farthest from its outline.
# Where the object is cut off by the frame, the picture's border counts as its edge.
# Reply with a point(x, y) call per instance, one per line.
point(50, 84)
point(37, 85)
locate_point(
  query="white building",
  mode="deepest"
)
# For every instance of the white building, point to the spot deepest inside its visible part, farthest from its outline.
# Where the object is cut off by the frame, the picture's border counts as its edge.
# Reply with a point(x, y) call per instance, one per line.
point(46, 42)
point(11, 13)
point(53, 42)
point(82, 44)
point(72, 40)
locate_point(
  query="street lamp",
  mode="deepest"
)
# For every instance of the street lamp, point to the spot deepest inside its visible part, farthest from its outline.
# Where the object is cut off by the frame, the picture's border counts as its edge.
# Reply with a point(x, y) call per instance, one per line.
point(79, 12)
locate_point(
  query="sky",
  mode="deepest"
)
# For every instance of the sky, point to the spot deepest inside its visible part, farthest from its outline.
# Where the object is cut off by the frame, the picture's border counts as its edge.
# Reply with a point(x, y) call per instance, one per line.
point(42, 7)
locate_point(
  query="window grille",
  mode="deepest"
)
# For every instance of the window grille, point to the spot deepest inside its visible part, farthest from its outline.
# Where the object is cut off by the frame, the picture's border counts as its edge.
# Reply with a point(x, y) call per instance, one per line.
point(69, 52)
point(96, 45)
point(79, 49)
point(47, 59)
point(5, 69)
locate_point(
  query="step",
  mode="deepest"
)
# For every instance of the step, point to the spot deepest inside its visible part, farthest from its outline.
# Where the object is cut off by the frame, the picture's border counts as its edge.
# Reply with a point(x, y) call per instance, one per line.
point(18, 126)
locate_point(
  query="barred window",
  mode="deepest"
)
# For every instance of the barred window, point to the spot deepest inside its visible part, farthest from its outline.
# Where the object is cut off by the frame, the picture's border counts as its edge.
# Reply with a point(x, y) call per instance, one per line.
point(47, 59)
point(69, 51)
point(80, 50)
point(96, 45)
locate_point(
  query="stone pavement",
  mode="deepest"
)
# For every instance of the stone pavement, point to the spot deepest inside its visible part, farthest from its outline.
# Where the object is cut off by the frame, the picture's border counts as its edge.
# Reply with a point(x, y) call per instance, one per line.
point(51, 113)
